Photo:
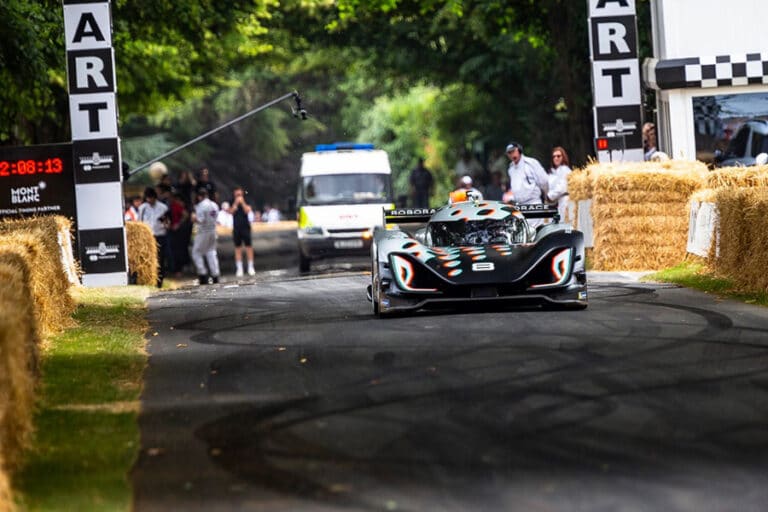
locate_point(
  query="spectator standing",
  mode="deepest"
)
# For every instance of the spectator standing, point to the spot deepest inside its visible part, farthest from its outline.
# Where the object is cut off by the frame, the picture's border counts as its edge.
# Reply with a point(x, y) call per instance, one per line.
point(559, 169)
point(465, 192)
point(204, 245)
point(185, 185)
point(132, 210)
point(649, 141)
point(468, 166)
point(494, 191)
point(241, 231)
point(204, 181)
point(421, 182)
point(527, 178)
point(154, 213)
point(224, 218)
point(528, 182)
point(271, 214)
point(179, 234)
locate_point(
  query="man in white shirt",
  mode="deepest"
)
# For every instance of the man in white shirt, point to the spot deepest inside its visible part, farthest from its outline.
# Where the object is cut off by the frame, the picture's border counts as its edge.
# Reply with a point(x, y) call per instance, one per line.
point(527, 178)
point(154, 213)
point(204, 246)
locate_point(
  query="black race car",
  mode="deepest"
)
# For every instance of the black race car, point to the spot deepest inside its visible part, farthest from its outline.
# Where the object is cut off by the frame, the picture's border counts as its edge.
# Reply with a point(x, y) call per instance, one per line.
point(476, 251)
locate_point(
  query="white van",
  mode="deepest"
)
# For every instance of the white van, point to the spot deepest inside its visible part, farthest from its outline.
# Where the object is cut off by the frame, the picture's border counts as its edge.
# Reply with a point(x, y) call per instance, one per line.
point(343, 188)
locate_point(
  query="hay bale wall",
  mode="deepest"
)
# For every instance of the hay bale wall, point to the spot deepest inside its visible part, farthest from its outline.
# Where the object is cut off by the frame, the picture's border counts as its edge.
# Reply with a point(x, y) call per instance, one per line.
point(142, 253)
point(639, 210)
point(743, 236)
point(46, 231)
point(6, 499)
point(18, 357)
point(738, 177)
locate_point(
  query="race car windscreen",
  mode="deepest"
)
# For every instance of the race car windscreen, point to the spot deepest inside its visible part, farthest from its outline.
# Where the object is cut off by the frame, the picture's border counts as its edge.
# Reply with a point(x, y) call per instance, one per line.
point(361, 188)
point(512, 230)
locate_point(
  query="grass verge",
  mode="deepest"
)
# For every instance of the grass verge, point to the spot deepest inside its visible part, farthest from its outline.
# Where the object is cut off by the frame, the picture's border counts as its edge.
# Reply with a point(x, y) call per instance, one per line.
point(696, 275)
point(86, 430)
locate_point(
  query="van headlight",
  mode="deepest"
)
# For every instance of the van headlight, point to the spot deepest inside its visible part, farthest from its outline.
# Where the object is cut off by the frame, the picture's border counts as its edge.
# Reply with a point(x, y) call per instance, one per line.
point(313, 230)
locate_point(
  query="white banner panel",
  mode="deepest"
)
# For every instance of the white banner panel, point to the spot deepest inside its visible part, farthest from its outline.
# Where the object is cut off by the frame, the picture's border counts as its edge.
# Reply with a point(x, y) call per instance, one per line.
point(616, 82)
point(93, 116)
point(110, 279)
point(97, 205)
point(701, 228)
point(87, 26)
point(611, 8)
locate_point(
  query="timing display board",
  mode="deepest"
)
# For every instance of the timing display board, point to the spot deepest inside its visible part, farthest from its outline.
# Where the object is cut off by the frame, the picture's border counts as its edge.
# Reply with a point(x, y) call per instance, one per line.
point(37, 180)
point(95, 152)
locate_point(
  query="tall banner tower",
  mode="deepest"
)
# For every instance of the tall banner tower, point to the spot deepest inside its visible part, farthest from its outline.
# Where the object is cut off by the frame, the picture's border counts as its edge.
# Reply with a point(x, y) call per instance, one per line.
point(618, 114)
point(95, 143)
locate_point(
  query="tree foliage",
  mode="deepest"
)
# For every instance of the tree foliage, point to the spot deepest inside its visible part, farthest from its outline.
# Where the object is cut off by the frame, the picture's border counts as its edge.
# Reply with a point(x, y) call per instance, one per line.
point(428, 78)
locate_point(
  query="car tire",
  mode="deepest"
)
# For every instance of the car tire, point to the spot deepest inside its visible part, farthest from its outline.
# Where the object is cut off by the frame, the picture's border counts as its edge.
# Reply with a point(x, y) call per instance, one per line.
point(304, 263)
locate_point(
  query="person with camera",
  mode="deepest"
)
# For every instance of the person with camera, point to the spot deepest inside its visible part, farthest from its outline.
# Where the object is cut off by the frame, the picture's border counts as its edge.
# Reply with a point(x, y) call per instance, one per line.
point(154, 214)
point(241, 231)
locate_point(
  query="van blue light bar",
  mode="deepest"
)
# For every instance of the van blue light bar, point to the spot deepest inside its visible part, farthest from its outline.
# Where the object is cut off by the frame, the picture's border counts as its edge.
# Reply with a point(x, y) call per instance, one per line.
point(343, 145)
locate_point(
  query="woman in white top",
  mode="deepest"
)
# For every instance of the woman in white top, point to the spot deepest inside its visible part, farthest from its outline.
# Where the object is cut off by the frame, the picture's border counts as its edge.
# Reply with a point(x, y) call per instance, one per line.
point(558, 172)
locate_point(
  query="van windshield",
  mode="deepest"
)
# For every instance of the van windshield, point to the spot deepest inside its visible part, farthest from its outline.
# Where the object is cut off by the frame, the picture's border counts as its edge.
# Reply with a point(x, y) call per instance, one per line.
point(346, 189)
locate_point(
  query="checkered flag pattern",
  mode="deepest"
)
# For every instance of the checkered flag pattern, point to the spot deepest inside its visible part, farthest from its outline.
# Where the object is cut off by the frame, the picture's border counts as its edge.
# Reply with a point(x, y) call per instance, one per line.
point(712, 71)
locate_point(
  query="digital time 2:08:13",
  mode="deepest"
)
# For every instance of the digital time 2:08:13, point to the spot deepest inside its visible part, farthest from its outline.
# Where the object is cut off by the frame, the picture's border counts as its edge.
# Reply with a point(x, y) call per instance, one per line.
point(26, 167)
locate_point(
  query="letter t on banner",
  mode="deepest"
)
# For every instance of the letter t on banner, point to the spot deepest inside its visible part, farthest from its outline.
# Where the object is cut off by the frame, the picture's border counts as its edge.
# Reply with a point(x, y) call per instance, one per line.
point(95, 142)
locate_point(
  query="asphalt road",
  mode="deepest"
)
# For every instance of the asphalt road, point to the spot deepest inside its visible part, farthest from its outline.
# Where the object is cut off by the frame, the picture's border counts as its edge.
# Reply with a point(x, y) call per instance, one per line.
point(286, 394)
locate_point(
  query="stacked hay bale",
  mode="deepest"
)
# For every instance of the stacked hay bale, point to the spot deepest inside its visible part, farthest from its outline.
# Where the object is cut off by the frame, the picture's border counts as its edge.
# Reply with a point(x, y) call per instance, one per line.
point(38, 243)
point(6, 499)
point(579, 189)
point(142, 253)
point(18, 361)
point(741, 198)
point(639, 211)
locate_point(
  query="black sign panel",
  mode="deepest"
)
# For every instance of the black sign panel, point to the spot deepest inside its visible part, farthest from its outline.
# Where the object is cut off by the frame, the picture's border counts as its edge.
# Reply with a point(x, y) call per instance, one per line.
point(614, 38)
point(37, 180)
point(96, 161)
point(623, 120)
point(102, 250)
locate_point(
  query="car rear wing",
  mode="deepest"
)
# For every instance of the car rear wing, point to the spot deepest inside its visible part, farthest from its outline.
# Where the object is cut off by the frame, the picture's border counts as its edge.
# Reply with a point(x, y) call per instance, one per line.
point(408, 215)
point(539, 211)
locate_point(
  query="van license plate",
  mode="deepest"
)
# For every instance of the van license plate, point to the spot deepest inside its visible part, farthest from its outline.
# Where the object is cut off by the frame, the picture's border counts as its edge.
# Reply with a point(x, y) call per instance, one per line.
point(348, 244)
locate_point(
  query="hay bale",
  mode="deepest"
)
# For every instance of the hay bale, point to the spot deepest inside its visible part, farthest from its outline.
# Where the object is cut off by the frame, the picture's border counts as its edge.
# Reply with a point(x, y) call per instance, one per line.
point(608, 210)
point(53, 305)
point(142, 253)
point(18, 356)
point(705, 195)
point(580, 185)
point(743, 236)
point(6, 498)
point(48, 232)
point(738, 177)
point(641, 213)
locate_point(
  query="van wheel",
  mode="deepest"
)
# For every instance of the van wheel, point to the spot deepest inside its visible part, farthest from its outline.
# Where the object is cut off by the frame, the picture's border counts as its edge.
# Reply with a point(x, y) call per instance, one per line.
point(304, 263)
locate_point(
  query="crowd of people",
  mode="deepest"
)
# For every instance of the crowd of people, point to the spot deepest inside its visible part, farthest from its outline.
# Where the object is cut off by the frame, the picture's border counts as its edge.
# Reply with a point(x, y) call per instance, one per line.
point(183, 216)
point(514, 177)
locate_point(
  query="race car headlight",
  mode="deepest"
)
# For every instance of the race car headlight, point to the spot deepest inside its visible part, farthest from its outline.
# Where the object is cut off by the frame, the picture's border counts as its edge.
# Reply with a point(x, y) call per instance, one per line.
point(559, 270)
point(406, 277)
